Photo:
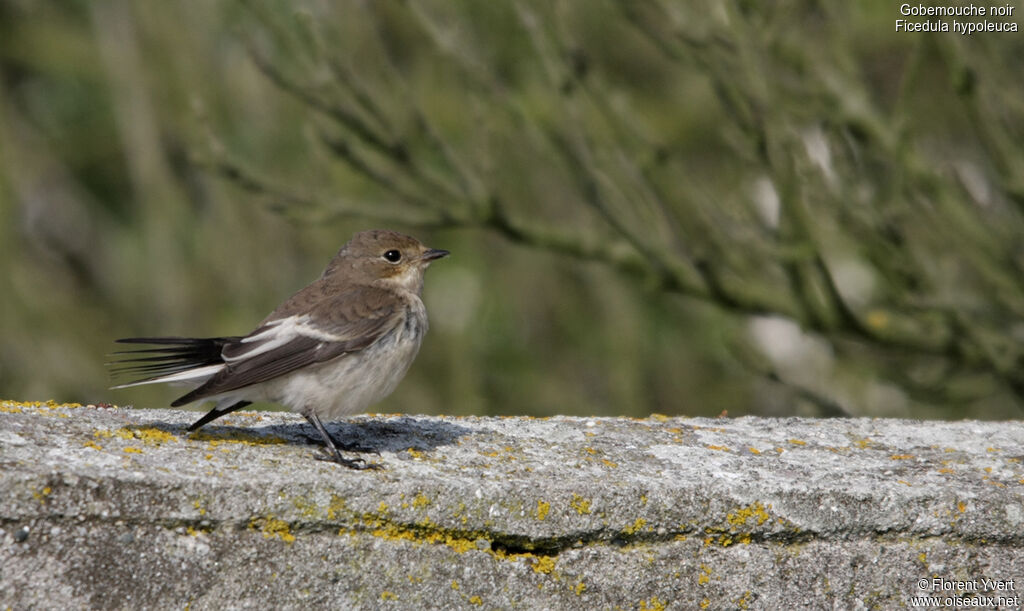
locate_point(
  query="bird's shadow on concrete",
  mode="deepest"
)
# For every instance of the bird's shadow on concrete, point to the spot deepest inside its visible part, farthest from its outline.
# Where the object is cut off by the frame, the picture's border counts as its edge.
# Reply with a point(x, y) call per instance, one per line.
point(367, 436)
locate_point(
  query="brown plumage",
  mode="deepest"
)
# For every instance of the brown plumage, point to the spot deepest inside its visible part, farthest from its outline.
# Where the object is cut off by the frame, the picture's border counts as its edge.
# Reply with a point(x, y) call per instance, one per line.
point(332, 349)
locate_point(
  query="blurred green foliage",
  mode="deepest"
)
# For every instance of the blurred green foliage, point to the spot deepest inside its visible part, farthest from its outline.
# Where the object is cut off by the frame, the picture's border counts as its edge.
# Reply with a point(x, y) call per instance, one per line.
point(686, 208)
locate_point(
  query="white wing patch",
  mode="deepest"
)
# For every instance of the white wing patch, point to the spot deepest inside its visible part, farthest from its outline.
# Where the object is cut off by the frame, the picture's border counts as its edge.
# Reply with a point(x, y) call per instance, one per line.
point(279, 333)
point(200, 374)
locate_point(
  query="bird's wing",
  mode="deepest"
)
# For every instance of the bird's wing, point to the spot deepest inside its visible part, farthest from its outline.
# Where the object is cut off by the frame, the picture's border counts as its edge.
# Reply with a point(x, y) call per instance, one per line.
point(309, 328)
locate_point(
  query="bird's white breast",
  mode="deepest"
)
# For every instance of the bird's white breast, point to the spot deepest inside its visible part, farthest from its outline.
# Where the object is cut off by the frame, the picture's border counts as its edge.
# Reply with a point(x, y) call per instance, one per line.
point(352, 382)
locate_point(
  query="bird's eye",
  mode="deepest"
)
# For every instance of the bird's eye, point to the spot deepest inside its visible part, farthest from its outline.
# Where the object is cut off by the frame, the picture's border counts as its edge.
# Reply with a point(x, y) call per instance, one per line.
point(393, 256)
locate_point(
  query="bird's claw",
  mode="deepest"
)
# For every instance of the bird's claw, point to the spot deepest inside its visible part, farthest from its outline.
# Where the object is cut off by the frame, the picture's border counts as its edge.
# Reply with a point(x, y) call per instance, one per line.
point(352, 463)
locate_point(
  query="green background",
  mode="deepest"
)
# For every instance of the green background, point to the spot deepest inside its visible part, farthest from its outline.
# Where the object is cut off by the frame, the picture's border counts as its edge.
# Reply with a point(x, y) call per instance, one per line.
point(685, 208)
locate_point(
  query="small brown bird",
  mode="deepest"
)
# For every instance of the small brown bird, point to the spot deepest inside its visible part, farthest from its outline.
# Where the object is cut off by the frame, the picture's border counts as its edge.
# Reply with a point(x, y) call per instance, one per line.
point(332, 349)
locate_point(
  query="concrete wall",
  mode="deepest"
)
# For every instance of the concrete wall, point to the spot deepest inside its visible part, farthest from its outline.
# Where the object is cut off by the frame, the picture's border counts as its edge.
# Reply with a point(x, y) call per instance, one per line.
point(120, 508)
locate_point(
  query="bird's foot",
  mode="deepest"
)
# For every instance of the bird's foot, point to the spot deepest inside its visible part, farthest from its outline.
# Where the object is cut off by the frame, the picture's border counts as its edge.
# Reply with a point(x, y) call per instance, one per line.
point(352, 463)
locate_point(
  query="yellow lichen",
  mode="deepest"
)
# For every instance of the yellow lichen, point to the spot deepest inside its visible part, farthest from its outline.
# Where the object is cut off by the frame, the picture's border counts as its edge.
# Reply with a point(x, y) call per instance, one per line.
point(272, 527)
point(455, 585)
point(797, 442)
point(544, 564)
point(579, 588)
point(580, 504)
point(420, 501)
point(154, 436)
point(543, 507)
point(635, 526)
point(476, 600)
point(93, 445)
point(741, 516)
point(386, 595)
point(16, 407)
point(652, 604)
point(337, 505)
point(901, 457)
point(705, 575)
point(719, 448)
point(132, 451)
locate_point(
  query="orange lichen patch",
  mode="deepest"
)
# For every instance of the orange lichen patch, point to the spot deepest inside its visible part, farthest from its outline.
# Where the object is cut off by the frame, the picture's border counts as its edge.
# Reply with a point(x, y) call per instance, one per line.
point(753, 450)
point(946, 470)
point(719, 448)
point(901, 457)
point(797, 442)
point(862, 443)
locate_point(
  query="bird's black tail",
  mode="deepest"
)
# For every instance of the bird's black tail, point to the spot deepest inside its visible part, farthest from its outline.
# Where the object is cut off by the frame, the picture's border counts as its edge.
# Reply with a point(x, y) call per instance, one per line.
point(169, 356)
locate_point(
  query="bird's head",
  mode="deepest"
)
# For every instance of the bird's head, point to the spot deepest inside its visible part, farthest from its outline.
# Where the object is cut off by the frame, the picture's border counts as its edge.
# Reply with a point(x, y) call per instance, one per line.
point(384, 258)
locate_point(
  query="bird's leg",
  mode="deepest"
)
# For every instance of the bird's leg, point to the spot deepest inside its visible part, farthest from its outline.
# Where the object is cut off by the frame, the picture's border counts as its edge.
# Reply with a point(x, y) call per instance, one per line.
point(357, 463)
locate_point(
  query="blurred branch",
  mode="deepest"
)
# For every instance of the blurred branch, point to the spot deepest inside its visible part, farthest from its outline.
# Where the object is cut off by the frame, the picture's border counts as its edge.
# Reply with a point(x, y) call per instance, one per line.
point(852, 180)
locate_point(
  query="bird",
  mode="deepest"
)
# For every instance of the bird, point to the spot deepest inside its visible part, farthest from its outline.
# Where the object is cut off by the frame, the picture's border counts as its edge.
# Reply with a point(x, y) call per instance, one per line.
point(332, 349)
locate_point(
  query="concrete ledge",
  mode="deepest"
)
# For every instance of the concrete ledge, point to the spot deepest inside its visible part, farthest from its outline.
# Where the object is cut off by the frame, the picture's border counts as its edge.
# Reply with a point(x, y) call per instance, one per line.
point(121, 508)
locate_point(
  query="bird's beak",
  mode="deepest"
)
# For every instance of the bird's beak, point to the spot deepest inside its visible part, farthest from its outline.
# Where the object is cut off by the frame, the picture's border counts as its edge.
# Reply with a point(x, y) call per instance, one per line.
point(434, 253)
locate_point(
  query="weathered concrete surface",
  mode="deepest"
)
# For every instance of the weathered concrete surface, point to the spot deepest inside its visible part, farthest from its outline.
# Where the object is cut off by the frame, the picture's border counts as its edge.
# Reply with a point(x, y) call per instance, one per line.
point(119, 508)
